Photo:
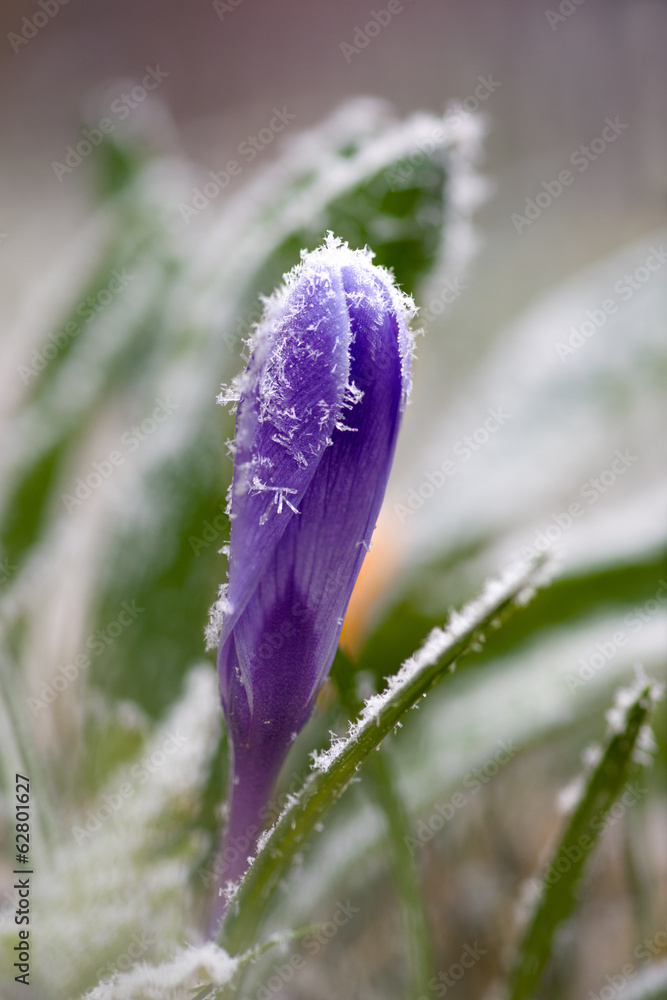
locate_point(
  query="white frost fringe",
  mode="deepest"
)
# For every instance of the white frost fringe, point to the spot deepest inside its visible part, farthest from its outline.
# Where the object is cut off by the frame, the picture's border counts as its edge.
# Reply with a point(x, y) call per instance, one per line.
point(525, 576)
point(174, 980)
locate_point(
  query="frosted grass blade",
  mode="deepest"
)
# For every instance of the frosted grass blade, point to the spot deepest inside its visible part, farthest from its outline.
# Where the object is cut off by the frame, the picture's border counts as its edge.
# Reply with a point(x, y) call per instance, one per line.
point(333, 770)
point(628, 726)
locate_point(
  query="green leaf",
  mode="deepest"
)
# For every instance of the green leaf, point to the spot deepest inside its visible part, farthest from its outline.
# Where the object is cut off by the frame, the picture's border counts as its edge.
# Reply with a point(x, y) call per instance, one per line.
point(405, 869)
point(171, 568)
point(105, 341)
point(569, 599)
point(333, 770)
point(384, 787)
point(561, 879)
point(119, 163)
point(345, 182)
point(403, 227)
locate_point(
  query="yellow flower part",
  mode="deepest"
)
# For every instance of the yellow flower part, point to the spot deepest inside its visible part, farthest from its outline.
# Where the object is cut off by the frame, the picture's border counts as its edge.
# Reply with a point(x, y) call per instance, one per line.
point(378, 572)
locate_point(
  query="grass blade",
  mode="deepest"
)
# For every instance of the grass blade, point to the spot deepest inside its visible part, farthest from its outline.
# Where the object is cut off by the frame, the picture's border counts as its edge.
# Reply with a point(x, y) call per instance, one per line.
point(558, 896)
point(384, 789)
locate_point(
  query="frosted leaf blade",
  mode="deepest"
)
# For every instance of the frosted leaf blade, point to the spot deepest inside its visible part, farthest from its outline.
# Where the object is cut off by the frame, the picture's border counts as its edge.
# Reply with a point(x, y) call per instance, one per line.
point(603, 786)
point(333, 771)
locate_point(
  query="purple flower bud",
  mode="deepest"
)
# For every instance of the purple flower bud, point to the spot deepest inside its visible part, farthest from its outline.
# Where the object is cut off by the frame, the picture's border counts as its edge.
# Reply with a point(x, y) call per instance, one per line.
point(319, 408)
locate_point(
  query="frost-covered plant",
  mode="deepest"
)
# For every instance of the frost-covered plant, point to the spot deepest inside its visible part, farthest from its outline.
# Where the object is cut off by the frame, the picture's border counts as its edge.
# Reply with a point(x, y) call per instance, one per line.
point(116, 720)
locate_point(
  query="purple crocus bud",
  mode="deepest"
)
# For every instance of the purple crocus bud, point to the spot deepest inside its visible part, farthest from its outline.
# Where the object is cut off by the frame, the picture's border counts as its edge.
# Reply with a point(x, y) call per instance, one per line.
point(319, 407)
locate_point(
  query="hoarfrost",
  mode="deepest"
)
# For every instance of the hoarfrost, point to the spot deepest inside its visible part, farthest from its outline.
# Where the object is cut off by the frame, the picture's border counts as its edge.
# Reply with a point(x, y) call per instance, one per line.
point(279, 495)
point(192, 967)
point(120, 869)
point(625, 698)
point(461, 624)
point(219, 610)
point(592, 755)
point(569, 796)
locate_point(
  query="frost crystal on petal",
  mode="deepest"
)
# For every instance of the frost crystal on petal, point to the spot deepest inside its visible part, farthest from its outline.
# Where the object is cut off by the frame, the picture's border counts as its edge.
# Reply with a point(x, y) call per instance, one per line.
point(217, 614)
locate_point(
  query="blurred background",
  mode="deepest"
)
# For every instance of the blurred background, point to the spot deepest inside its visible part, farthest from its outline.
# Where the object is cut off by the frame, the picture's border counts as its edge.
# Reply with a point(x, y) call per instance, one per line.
point(533, 237)
point(558, 82)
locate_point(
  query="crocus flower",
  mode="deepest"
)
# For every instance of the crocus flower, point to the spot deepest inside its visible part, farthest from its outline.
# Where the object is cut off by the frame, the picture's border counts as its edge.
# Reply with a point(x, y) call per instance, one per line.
point(319, 408)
